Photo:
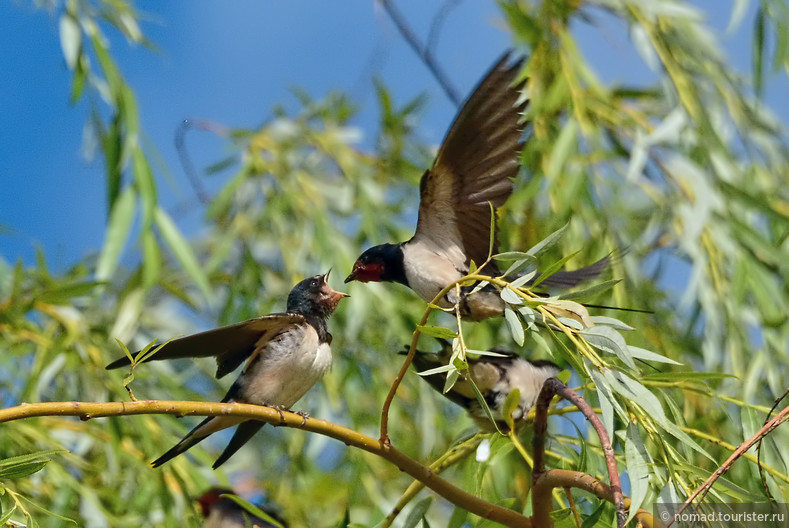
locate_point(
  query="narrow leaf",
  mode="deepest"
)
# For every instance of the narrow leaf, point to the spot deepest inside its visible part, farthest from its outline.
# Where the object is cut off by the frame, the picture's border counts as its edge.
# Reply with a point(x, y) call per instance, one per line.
point(116, 234)
point(437, 331)
point(591, 291)
point(637, 460)
point(548, 241)
point(183, 252)
point(253, 510)
point(648, 355)
point(516, 329)
point(609, 340)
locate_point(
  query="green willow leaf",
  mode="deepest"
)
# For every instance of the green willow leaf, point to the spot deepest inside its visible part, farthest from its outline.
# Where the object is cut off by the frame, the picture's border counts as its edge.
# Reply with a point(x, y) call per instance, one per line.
point(183, 252)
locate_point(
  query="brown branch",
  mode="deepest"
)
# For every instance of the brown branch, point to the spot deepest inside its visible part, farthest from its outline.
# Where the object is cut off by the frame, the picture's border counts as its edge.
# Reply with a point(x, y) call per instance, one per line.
point(399, 378)
point(455, 495)
point(564, 478)
point(759, 447)
point(447, 460)
point(422, 52)
point(541, 498)
point(745, 446)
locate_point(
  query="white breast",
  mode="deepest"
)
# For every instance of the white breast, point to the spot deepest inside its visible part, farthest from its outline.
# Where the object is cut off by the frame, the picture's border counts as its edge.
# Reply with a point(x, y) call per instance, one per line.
point(432, 274)
point(289, 366)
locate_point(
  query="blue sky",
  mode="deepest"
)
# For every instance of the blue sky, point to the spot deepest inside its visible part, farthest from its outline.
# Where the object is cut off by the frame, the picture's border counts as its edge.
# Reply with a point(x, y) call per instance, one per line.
point(231, 62)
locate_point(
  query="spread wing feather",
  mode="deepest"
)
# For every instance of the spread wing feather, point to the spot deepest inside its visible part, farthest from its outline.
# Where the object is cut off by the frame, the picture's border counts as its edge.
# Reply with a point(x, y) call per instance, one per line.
point(475, 165)
point(231, 344)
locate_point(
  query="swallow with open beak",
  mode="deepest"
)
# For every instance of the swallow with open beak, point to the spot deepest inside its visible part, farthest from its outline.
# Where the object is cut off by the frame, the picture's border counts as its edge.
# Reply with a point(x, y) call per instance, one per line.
point(495, 377)
point(285, 353)
point(475, 167)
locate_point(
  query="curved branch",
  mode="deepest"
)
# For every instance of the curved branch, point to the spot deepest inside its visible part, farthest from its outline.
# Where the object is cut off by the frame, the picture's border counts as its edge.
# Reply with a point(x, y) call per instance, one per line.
point(565, 478)
point(455, 495)
point(768, 427)
point(541, 499)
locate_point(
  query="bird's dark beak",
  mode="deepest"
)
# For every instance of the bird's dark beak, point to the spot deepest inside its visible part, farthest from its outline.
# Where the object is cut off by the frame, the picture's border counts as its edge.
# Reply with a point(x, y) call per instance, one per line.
point(352, 276)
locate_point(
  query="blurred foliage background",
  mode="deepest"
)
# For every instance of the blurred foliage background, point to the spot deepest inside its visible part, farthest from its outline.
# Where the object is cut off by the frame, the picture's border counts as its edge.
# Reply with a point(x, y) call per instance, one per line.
point(688, 175)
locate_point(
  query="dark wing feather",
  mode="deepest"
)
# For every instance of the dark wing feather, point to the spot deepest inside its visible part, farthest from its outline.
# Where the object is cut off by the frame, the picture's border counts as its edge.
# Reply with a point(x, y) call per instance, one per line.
point(231, 344)
point(475, 165)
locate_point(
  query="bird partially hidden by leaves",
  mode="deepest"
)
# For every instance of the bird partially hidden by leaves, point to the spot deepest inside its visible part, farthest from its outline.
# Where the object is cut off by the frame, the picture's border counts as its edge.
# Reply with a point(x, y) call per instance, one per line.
point(473, 171)
point(495, 377)
point(224, 512)
point(285, 353)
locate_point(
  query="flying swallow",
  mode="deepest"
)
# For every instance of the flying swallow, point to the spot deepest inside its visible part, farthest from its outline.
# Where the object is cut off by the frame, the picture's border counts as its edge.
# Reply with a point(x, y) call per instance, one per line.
point(495, 377)
point(285, 353)
point(473, 170)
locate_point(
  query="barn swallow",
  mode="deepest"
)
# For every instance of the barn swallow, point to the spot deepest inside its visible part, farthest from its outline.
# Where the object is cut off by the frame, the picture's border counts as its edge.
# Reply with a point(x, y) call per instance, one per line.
point(222, 512)
point(495, 377)
point(474, 169)
point(286, 354)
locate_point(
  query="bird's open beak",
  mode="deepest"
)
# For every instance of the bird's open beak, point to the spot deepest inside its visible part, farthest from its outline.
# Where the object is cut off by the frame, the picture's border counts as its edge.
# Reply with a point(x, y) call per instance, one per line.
point(335, 294)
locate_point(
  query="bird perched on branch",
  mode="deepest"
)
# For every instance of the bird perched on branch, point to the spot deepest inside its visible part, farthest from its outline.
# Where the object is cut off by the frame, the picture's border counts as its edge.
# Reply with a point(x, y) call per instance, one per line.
point(495, 377)
point(285, 353)
point(473, 170)
point(222, 512)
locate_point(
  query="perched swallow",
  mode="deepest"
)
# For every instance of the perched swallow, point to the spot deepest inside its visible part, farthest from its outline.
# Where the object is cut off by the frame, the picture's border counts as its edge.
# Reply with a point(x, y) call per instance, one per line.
point(286, 354)
point(222, 512)
point(495, 378)
point(475, 166)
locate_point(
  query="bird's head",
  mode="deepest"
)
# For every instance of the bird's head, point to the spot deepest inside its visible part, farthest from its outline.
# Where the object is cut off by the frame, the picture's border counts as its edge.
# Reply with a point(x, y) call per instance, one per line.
point(379, 263)
point(211, 497)
point(314, 295)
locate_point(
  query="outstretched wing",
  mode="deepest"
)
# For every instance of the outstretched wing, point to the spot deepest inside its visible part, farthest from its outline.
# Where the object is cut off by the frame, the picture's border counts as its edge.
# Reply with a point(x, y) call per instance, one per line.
point(231, 344)
point(475, 165)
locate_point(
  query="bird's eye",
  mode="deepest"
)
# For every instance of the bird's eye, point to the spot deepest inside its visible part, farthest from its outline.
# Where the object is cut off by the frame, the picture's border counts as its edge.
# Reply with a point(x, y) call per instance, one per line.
point(313, 283)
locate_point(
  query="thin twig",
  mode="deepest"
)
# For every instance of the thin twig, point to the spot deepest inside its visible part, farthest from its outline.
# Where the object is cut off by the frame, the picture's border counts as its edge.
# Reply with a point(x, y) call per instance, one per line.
point(455, 495)
point(422, 52)
point(541, 497)
point(445, 461)
point(745, 446)
point(183, 153)
point(759, 448)
point(565, 478)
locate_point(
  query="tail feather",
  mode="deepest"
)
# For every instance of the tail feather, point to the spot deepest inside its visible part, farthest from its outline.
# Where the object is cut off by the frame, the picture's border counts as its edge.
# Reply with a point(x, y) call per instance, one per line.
point(204, 429)
point(570, 279)
point(244, 432)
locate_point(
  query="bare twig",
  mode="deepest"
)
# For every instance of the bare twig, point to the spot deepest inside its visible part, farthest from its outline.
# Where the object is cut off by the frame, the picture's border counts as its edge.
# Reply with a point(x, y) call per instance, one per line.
point(455, 495)
point(745, 446)
point(541, 498)
point(564, 478)
point(445, 461)
point(186, 160)
point(422, 52)
point(759, 447)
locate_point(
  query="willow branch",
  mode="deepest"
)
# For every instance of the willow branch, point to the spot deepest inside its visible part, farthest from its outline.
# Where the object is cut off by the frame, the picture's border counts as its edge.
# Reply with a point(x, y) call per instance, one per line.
point(745, 446)
point(455, 495)
point(541, 498)
point(398, 379)
point(183, 153)
point(444, 462)
point(564, 478)
point(423, 52)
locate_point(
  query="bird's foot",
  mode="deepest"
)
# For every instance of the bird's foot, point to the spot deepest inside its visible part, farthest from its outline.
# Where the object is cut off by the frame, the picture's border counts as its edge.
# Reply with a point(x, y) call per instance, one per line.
point(304, 417)
point(279, 409)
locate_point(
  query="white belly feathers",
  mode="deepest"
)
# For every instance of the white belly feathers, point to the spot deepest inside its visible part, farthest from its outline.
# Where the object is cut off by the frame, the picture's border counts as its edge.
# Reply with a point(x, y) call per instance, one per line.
point(288, 366)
